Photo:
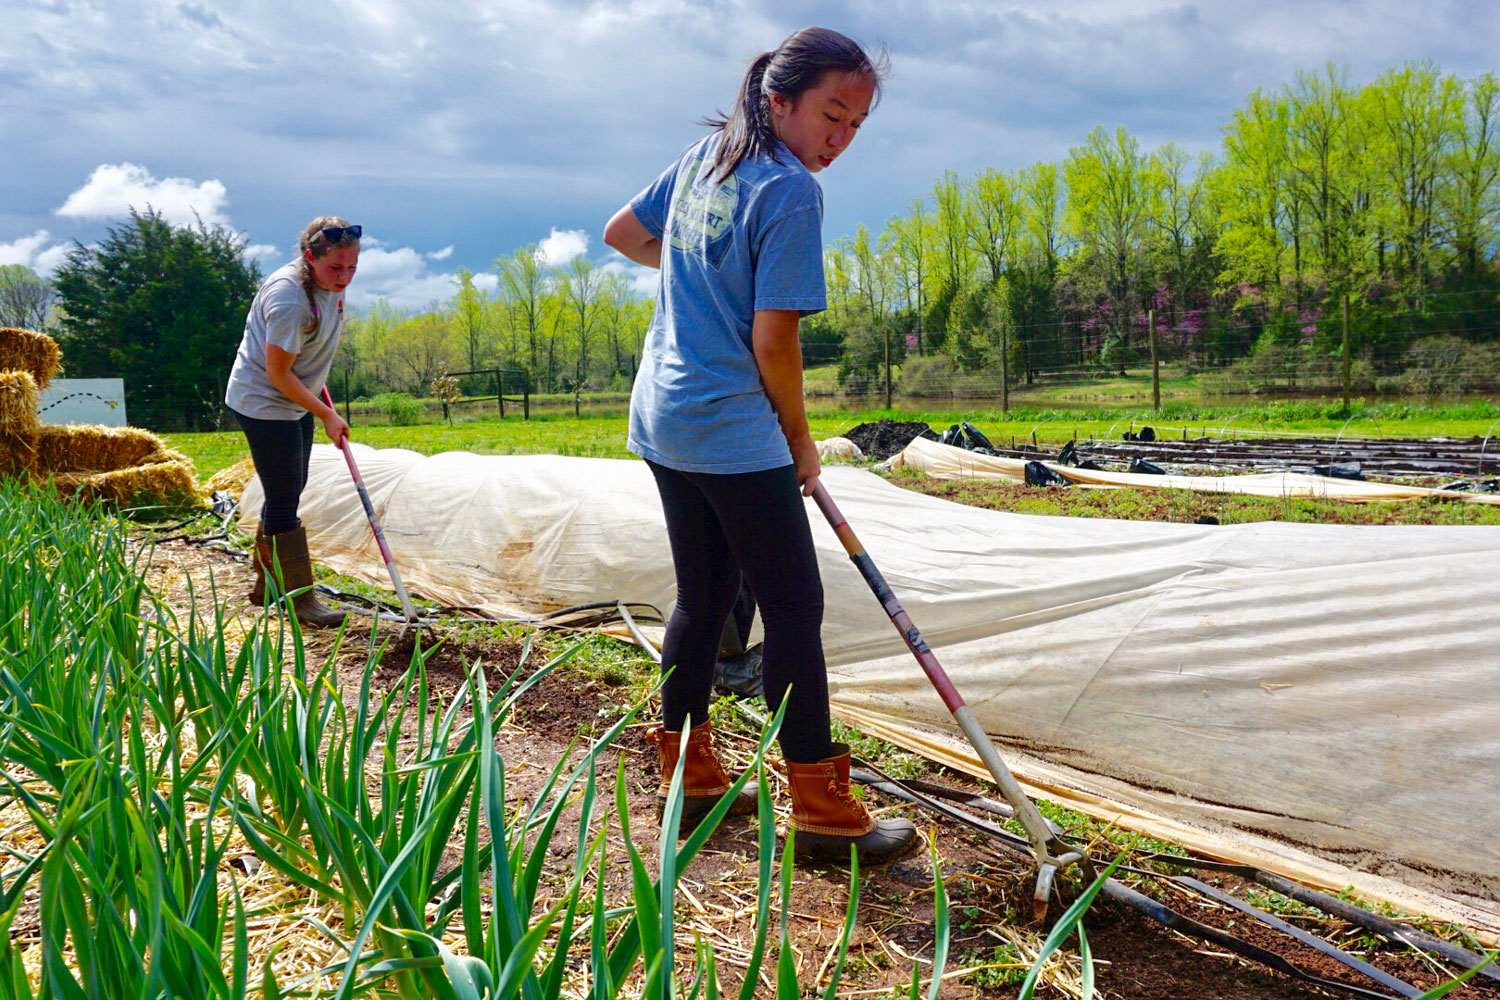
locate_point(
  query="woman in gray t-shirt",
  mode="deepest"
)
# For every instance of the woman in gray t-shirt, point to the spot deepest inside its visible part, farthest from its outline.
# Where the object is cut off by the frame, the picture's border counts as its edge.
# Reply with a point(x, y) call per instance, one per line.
point(291, 335)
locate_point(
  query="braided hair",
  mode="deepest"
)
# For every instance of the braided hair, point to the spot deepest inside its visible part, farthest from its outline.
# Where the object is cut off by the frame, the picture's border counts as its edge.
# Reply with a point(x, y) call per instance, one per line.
point(313, 241)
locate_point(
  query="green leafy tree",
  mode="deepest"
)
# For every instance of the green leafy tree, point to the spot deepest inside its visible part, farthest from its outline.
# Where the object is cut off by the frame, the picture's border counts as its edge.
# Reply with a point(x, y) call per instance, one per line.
point(523, 288)
point(162, 307)
point(471, 319)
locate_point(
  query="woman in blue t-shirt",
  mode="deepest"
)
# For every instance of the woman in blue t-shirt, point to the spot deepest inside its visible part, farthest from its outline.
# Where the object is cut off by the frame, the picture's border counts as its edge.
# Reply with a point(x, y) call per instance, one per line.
point(735, 226)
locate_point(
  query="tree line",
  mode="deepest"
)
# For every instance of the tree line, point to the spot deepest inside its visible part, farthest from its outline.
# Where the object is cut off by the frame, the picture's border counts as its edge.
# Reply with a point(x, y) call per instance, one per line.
point(1386, 194)
point(569, 327)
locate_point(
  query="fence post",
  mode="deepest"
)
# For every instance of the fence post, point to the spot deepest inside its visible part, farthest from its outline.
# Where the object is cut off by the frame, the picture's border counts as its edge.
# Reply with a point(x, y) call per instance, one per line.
point(1004, 370)
point(887, 367)
point(1155, 363)
point(1347, 374)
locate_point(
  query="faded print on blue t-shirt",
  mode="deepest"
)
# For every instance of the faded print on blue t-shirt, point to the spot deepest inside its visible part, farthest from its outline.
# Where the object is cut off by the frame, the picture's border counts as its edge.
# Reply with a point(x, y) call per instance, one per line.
point(702, 216)
point(730, 247)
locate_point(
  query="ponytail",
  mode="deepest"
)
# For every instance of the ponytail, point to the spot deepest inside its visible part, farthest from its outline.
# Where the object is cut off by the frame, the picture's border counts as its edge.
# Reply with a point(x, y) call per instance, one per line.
point(797, 65)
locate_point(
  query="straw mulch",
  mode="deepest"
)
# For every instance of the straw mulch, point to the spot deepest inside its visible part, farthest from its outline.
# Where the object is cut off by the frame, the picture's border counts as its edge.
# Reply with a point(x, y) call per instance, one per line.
point(33, 353)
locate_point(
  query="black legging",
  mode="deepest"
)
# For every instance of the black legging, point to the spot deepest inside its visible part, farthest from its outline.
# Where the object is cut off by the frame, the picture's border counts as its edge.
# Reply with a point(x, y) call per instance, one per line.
point(282, 450)
point(753, 523)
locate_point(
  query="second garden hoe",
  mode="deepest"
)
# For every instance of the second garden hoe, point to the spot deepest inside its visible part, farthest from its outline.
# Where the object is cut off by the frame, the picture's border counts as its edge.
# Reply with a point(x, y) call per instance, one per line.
point(1050, 852)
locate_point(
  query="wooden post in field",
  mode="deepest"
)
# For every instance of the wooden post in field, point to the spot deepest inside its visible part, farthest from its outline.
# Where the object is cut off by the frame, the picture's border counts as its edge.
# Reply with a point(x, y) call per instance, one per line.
point(1347, 376)
point(887, 367)
point(1004, 371)
point(1155, 362)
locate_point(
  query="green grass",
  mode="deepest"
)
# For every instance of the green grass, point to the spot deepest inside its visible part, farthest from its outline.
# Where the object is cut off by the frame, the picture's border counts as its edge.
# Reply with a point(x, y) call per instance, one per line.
point(603, 435)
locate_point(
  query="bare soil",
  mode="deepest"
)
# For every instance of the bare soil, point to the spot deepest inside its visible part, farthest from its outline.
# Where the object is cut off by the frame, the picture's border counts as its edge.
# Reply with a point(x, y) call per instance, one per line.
point(989, 887)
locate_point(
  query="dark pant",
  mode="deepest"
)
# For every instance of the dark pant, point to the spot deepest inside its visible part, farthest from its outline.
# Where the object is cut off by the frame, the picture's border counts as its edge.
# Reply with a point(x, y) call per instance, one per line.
point(282, 450)
point(754, 523)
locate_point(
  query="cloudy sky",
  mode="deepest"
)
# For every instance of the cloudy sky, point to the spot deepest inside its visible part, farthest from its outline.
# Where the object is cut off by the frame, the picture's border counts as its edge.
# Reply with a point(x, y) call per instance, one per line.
point(457, 131)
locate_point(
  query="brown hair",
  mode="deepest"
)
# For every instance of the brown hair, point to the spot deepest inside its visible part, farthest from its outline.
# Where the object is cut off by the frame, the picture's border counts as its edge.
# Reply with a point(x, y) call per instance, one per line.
point(312, 239)
point(797, 65)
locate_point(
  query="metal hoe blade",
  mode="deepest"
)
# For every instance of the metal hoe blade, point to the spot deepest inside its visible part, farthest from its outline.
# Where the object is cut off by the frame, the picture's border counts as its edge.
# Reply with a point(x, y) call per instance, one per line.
point(1050, 852)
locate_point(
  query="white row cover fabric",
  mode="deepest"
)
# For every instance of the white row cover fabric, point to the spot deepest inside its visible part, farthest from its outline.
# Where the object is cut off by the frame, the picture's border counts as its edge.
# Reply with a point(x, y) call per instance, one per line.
point(944, 461)
point(1319, 700)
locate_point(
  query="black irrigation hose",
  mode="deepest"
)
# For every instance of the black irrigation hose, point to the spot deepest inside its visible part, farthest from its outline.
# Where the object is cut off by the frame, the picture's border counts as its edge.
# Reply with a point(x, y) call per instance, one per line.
point(1160, 912)
point(1392, 930)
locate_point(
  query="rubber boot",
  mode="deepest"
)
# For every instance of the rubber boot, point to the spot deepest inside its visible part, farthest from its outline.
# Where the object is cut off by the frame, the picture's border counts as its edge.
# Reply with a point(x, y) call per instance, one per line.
point(828, 818)
point(286, 551)
point(260, 558)
point(704, 780)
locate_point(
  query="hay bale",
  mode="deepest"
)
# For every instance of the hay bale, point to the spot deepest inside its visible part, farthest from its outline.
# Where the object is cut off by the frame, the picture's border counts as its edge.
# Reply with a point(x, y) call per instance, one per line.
point(34, 353)
point(161, 455)
point(144, 485)
point(17, 454)
point(232, 480)
point(96, 448)
point(18, 399)
point(67, 483)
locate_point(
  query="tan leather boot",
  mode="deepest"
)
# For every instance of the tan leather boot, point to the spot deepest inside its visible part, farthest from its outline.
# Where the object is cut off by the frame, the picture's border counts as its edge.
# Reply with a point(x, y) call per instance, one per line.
point(828, 818)
point(285, 555)
point(704, 780)
point(260, 558)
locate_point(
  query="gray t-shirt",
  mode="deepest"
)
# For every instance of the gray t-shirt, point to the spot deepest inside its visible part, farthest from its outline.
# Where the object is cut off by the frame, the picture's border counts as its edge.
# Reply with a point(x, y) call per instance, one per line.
point(279, 315)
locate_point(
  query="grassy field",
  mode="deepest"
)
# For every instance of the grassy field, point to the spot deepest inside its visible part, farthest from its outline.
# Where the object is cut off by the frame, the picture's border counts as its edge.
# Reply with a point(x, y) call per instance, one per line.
point(603, 436)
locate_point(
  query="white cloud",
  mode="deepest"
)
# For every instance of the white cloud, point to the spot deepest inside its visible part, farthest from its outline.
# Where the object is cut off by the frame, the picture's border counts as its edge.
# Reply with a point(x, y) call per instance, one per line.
point(34, 252)
point(401, 277)
point(442, 254)
point(264, 254)
point(643, 280)
point(562, 246)
point(23, 250)
point(113, 189)
point(487, 281)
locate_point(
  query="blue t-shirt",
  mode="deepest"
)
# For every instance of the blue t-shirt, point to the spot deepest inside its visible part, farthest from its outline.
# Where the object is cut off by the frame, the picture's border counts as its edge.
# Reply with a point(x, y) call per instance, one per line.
point(753, 241)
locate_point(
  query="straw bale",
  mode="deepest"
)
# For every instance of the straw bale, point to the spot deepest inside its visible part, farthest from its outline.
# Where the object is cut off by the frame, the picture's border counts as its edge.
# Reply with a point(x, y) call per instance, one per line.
point(97, 448)
point(233, 479)
point(17, 453)
point(18, 399)
point(161, 455)
point(35, 353)
point(67, 483)
point(164, 482)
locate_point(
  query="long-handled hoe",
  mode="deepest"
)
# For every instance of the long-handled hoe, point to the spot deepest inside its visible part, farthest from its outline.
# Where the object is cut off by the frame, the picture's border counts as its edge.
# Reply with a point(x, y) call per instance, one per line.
point(364, 498)
point(1050, 852)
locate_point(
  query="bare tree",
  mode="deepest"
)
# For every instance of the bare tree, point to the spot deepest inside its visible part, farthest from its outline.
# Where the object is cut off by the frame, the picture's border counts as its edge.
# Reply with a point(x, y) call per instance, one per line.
point(25, 298)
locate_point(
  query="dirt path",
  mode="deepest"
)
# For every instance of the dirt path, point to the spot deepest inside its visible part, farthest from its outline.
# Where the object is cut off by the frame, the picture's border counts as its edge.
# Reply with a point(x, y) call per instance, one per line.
point(988, 887)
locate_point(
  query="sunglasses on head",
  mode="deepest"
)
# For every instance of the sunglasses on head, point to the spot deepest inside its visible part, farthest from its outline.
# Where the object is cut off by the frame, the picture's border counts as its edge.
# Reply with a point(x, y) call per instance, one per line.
point(337, 234)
